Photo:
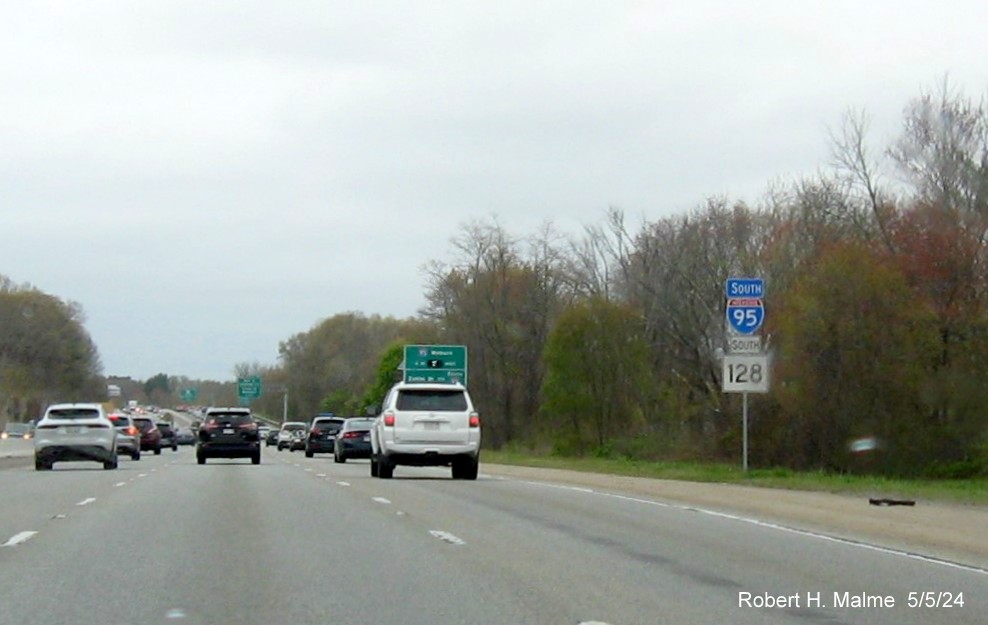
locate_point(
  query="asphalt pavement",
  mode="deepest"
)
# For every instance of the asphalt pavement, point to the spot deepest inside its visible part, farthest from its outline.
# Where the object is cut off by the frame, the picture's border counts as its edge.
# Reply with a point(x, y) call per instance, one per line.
point(300, 541)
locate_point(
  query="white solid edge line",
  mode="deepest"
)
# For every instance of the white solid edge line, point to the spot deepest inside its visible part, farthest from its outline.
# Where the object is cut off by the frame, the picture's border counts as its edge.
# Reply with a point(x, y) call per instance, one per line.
point(19, 538)
point(775, 526)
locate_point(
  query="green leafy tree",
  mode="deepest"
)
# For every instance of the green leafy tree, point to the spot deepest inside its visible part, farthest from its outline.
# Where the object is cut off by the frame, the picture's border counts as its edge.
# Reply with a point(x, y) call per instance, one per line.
point(596, 368)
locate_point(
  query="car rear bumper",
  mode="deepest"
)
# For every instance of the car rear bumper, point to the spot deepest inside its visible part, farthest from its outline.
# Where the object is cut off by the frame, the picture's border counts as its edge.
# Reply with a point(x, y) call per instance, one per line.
point(60, 453)
point(429, 455)
point(220, 450)
point(320, 446)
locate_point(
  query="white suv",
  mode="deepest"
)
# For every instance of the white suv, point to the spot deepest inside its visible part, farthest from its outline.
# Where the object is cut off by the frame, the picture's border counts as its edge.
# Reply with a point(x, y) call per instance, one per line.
point(430, 424)
point(72, 432)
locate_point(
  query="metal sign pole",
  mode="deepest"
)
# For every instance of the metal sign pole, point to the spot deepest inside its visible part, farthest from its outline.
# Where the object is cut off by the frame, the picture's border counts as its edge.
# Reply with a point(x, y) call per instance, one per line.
point(744, 435)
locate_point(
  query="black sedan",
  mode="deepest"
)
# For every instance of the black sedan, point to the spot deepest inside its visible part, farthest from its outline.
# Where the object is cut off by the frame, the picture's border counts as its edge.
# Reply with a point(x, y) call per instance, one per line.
point(353, 439)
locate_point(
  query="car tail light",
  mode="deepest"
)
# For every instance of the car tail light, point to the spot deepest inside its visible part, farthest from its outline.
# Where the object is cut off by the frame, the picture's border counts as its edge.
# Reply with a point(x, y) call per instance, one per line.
point(210, 426)
point(248, 426)
point(315, 432)
point(133, 431)
point(352, 434)
point(474, 420)
point(389, 419)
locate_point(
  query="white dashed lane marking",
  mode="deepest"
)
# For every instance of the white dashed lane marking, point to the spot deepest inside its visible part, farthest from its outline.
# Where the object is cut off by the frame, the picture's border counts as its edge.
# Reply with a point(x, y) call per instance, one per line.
point(343, 483)
point(86, 501)
point(447, 537)
point(19, 538)
point(381, 500)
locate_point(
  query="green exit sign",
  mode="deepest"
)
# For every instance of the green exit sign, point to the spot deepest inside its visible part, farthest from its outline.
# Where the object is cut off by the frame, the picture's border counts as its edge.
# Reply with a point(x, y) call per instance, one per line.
point(436, 363)
point(189, 394)
point(249, 388)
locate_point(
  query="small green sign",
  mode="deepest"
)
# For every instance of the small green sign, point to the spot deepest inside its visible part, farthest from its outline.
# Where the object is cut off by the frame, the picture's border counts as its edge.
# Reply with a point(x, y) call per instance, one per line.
point(249, 388)
point(189, 394)
point(436, 363)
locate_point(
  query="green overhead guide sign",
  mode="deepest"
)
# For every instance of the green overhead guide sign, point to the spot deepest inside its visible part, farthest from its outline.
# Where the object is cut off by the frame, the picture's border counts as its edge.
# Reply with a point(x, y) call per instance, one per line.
point(436, 363)
point(249, 388)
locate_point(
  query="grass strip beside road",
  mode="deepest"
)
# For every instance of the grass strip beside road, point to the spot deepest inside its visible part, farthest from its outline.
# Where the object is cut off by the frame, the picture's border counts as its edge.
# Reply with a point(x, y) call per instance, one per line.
point(963, 491)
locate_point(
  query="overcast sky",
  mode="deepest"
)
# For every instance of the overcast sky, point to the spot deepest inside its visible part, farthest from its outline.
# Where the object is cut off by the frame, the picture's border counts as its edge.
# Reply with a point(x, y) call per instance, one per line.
point(209, 178)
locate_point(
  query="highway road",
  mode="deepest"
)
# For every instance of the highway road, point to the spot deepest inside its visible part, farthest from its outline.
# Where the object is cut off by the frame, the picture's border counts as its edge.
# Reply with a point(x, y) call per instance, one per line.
point(299, 541)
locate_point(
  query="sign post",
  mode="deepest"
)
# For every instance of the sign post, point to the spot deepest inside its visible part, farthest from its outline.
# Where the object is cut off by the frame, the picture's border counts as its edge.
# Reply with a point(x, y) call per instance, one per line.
point(745, 366)
point(435, 363)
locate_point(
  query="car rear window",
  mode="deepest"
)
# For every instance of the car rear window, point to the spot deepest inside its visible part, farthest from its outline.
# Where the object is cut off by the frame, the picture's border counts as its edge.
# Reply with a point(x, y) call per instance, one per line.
point(359, 424)
point(144, 424)
point(165, 427)
point(17, 428)
point(229, 418)
point(73, 413)
point(432, 400)
point(294, 427)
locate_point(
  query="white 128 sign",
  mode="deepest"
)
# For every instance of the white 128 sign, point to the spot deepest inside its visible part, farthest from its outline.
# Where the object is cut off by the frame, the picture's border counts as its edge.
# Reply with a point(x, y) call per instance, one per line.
point(745, 373)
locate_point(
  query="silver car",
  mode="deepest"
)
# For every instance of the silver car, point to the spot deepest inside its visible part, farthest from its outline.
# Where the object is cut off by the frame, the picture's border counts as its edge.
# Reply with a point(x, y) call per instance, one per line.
point(128, 436)
point(75, 432)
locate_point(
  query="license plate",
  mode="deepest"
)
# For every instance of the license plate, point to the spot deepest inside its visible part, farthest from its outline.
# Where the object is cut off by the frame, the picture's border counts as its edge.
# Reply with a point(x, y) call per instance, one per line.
point(73, 429)
point(228, 430)
point(431, 426)
point(366, 438)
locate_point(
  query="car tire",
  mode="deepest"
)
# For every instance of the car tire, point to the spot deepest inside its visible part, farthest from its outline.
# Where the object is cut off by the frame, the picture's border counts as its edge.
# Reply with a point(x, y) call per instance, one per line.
point(41, 465)
point(110, 465)
point(157, 450)
point(201, 459)
point(135, 455)
point(308, 453)
point(175, 447)
point(385, 468)
point(339, 458)
point(466, 468)
point(374, 467)
point(256, 458)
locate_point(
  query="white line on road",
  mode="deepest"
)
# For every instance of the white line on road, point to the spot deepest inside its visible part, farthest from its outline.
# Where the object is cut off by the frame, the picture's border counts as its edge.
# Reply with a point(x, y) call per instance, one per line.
point(447, 537)
point(19, 538)
point(86, 501)
point(775, 526)
point(119, 484)
point(343, 483)
point(320, 475)
point(381, 500)
point(142, 475)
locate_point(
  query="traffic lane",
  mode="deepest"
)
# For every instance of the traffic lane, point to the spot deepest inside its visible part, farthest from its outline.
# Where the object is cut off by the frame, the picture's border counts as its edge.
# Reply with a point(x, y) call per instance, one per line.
point(16, 448)
point(32, 500)
point(231, 542)
point(654, 553)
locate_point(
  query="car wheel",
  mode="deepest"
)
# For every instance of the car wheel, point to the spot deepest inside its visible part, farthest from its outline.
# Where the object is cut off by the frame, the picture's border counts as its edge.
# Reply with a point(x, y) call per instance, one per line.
point(256, 458)
point(41, 465)
point(385, 468)
point(174, 447)
point(466, 468)
point(109, 465)
point(135, 455)
point(308, 453)
point(374, 466)
point(201, 459)
point(157, 450)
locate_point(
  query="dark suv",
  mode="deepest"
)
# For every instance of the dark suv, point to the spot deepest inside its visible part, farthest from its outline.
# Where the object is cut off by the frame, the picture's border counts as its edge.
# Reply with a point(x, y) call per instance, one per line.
point(228, 433)
point(321, 438)
point(168, 436)
point(150, 434)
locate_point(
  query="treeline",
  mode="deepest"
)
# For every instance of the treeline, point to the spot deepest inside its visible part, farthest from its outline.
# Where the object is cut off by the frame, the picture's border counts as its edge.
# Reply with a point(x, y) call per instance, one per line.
point(45, 352)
